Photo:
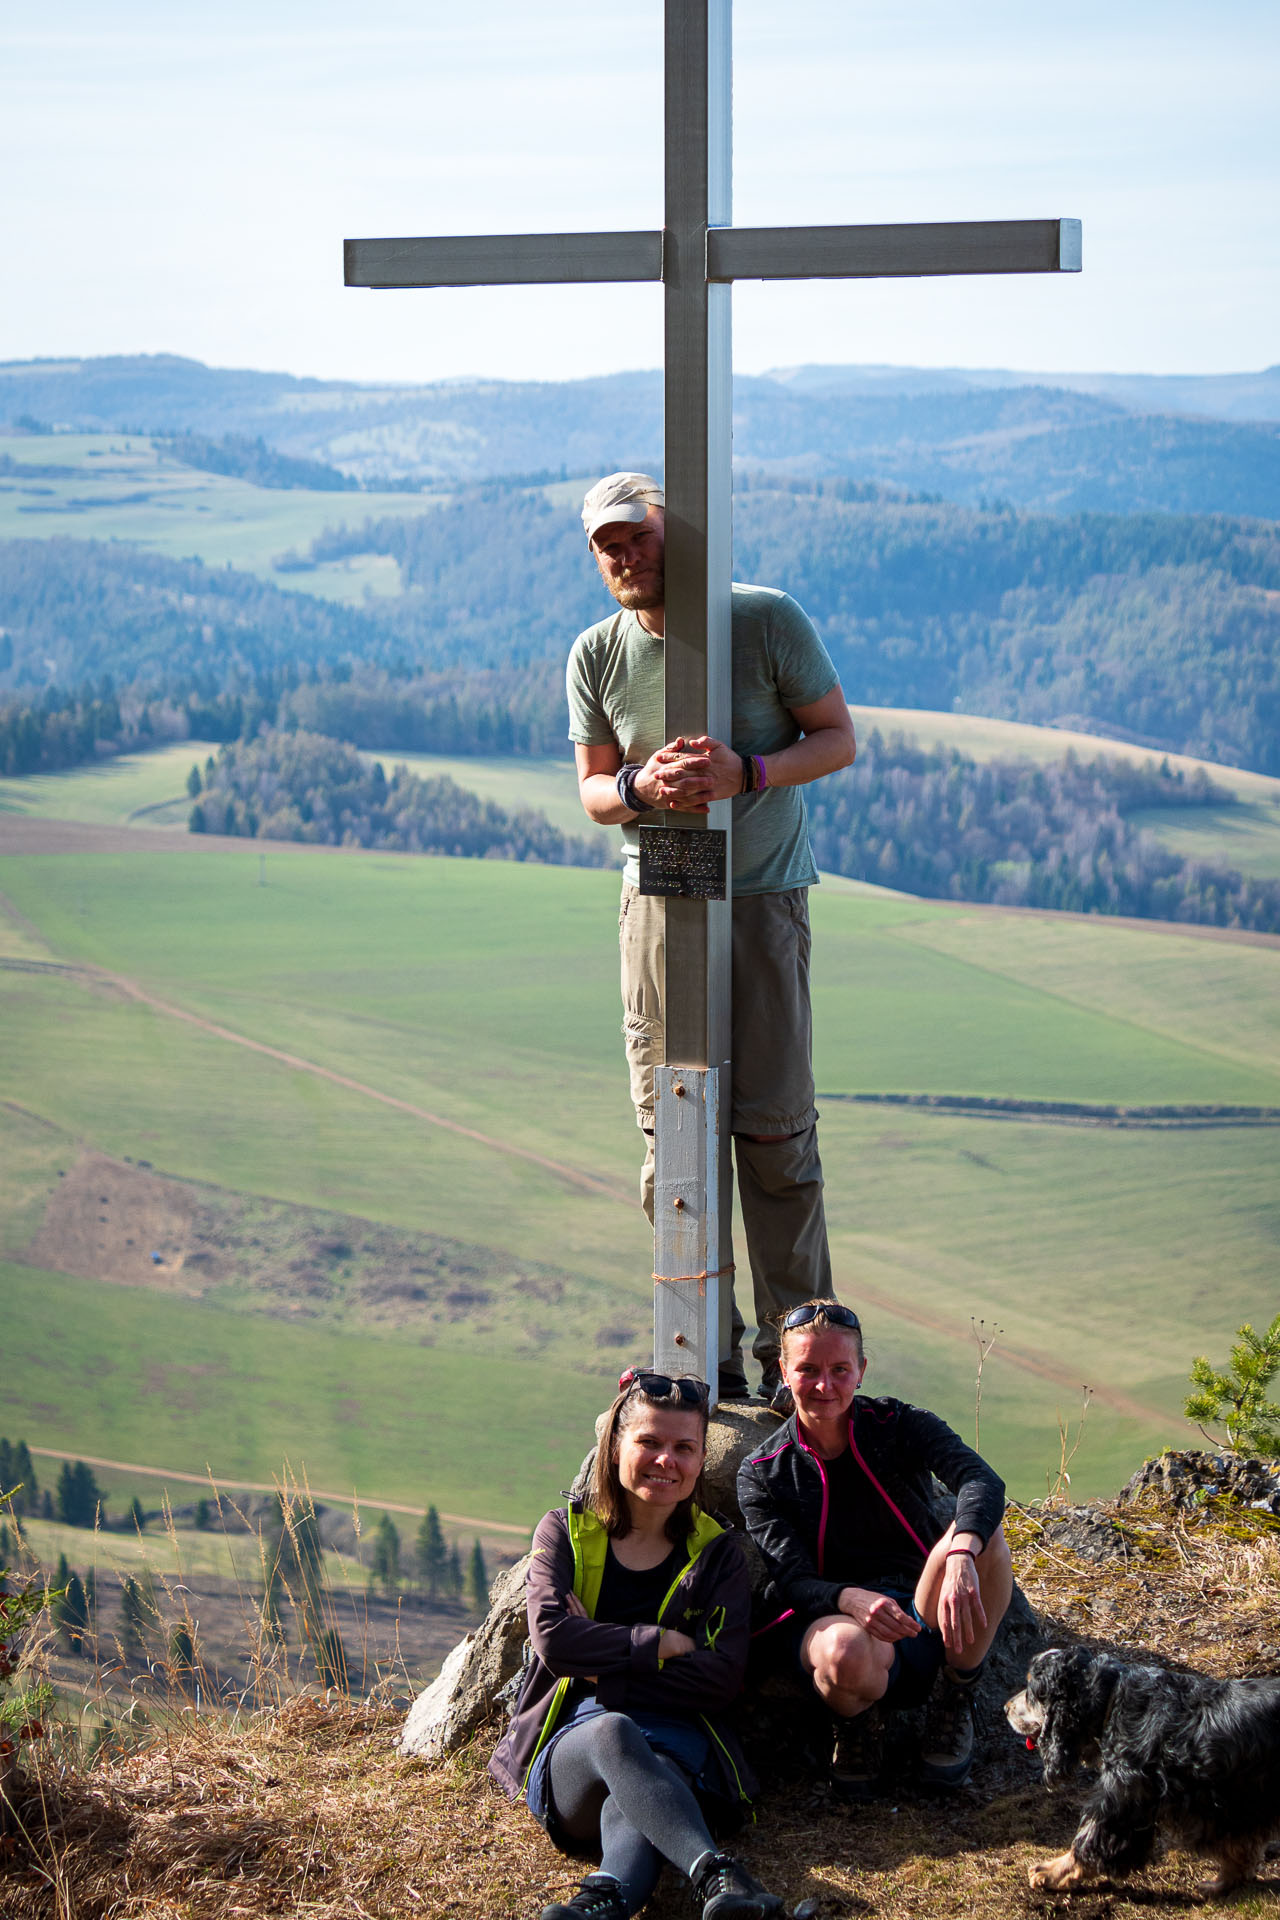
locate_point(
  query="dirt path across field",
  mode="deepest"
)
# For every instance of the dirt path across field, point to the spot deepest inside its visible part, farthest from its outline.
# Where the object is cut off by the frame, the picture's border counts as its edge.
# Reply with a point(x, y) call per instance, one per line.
point(272, 1486)
point(572, 1176)
point(1032, 1363)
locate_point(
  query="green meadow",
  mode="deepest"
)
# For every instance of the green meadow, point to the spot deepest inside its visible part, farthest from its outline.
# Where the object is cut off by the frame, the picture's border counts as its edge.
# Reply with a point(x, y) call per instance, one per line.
point(126, 487)
point(482, 996)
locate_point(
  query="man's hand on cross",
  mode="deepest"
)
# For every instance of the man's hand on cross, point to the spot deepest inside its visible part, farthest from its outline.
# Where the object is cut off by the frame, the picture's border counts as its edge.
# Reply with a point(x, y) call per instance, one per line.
point(687, 775)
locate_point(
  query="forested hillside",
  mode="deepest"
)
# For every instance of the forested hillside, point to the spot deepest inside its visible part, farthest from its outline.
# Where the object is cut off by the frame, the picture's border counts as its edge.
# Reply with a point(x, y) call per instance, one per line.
point(1057, 836)
point(1159, 627)
point(971, 437)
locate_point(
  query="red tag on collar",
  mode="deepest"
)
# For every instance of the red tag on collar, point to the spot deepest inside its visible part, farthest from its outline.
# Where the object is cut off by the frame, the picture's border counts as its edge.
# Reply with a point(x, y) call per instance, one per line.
point(1031, 1745)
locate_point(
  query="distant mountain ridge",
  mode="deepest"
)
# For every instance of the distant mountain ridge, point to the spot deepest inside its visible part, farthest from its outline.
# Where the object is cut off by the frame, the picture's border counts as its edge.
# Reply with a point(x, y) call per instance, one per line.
point(1057, 443)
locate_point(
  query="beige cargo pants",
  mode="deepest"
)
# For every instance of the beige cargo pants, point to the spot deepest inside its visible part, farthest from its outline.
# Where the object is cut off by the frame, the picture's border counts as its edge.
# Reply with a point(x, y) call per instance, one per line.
point(773, 1116)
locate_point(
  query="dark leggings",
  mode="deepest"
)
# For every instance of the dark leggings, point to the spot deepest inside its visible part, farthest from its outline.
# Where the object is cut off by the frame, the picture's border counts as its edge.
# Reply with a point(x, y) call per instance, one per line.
point(606, 1781)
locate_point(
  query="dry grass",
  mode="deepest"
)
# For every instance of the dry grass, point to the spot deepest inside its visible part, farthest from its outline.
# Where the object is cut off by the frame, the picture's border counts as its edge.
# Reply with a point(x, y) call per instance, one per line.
point(306, 1810)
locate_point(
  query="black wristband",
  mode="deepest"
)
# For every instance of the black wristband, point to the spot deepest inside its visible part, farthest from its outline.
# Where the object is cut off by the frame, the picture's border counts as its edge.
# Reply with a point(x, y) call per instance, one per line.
point(626, 785)
point(748, 773)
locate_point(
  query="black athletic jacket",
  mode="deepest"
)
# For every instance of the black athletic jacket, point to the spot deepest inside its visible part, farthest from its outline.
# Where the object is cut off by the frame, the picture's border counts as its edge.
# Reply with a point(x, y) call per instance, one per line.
point(782, 1490)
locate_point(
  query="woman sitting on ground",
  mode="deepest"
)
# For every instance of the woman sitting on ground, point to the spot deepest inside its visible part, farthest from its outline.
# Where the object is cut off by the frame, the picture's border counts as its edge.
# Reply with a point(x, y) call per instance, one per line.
point(639, 1609)
point(888, 1606)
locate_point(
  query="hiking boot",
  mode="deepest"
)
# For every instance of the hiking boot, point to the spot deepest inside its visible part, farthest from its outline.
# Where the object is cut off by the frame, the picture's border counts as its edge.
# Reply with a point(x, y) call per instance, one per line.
point(857, 1755)
point(775, 1393)
point(946, 1747)
point(598, 1898)
point(724, 1890)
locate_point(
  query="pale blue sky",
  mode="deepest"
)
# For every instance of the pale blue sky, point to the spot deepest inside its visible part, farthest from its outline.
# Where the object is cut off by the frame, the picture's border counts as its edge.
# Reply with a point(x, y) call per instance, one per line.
point(180, 179)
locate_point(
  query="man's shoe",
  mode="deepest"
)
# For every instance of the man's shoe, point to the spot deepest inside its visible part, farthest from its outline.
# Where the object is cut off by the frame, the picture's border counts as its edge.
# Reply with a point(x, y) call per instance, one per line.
point(857, 1755)
point(724, 1890)
point(946, 1748)
point(731, 1385)
point(598, 1898)
point(775, 1393)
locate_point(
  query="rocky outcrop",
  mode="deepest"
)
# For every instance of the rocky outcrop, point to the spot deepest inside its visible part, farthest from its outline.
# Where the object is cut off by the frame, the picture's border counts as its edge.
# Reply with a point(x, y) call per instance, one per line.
point(468, 1691)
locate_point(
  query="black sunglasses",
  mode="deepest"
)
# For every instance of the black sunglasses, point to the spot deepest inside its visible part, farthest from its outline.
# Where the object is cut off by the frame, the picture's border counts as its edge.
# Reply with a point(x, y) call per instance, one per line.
point(830, 1310)
point(661, 1385)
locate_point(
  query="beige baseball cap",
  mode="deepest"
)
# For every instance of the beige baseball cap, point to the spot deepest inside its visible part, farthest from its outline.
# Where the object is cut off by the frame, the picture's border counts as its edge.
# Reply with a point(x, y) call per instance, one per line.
point(620, 496)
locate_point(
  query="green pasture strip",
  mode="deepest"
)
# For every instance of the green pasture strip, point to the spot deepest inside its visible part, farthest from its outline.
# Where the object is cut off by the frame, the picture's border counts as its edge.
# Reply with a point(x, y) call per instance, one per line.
point(1218, 999)
point(130, 1375)
point(1018, 1430)
point(1118, 1256)
point(548, 784)
point(212, 1554)
point(1246, 836)
point(111, 792)
point(982, 738)
point(476, 988)
point(133, 492)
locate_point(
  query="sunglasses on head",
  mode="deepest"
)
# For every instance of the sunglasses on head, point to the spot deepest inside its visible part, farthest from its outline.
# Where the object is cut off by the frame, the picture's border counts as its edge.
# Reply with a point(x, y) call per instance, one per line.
point(660, 1386)
point(829, 1310)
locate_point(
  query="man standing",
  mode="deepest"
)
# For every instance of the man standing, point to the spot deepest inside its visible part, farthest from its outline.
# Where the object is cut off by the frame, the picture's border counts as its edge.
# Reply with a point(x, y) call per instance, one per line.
point(790, 726)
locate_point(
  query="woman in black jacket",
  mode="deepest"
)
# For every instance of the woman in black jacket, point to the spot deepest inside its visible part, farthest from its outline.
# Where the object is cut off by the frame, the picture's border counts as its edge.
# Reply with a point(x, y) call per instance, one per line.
point(639, 1619)
point(883, 1602)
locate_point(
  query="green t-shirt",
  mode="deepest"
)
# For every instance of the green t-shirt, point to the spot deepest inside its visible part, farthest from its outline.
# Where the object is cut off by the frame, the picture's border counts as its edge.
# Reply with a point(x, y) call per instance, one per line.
point(616, 697)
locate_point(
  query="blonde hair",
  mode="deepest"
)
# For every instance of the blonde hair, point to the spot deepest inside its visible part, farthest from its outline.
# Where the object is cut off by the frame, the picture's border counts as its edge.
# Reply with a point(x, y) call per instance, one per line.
point(608, 1497)
point(786, 1333)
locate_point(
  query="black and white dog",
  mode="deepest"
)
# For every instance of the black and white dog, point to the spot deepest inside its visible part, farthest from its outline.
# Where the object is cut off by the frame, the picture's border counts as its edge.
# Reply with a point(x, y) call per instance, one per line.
point(1202, 1756)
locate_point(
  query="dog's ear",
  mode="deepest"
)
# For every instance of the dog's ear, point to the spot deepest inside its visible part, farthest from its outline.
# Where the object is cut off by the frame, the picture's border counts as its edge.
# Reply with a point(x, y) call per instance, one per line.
point(1072, 1687)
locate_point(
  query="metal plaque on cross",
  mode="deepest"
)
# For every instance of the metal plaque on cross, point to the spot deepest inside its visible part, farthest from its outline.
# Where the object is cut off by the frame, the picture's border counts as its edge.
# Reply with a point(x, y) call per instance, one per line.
point(697, 256)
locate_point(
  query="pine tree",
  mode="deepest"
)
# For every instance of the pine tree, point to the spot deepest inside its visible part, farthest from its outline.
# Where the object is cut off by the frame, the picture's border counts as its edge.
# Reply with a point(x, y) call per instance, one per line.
point(478, 1579)
point(46, 1505)
point(135, 1620)
point(26, 1490)
point(1238, 1397)
point(432, 1554)
point(194, 783)
point(455, 1579)
point(6, 1467)
point(6, 1546)
point(386, 1556)
point(137, 1518)
point(79, 1495)
point(202, 1515)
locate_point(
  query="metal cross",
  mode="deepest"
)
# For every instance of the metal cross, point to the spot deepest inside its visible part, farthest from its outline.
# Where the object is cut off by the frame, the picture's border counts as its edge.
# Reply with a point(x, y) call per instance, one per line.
point(697, 256)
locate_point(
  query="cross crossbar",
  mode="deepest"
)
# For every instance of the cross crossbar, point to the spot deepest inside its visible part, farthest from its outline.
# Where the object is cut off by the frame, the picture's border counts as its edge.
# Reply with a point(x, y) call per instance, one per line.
point(503, 260)
point(732, 253)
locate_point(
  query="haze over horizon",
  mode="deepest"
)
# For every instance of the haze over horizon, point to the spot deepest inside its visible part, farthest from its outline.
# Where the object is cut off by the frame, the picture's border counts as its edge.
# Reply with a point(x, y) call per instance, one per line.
point(186, 183)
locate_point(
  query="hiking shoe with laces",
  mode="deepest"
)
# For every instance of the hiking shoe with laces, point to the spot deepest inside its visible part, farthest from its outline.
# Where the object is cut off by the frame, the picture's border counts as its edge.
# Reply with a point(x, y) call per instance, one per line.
point(775, 1393)
point(598, 1898)
point(857, 1755)
point(724, 1890)
point(946, 1747)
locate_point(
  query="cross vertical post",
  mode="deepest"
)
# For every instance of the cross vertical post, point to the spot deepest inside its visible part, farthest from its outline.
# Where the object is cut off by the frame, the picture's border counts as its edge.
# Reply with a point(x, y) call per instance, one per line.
point(698, 255)
point(692, 1176)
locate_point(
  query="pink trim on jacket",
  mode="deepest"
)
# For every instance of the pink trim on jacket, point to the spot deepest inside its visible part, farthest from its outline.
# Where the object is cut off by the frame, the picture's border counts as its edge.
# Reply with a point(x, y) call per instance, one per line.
point(826, 1492)
point(891, 1504)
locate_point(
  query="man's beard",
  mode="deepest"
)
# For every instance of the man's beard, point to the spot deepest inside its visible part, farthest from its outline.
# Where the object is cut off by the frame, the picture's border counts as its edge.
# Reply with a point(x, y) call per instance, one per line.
point(638, 597)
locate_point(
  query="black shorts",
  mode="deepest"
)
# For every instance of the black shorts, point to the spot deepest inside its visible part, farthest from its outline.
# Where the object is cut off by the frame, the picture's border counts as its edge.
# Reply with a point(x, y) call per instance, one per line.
point(915, 1662)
